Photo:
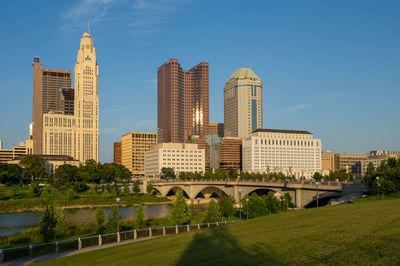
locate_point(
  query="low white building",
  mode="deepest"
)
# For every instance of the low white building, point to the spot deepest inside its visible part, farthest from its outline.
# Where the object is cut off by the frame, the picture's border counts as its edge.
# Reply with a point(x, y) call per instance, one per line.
point(291, 152)
point(182, 157)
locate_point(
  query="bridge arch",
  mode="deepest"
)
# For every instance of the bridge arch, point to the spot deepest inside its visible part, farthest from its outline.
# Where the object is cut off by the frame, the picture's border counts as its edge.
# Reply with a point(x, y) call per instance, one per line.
point(210, 192)
point(172, 191)
point(323, 199)
point(263, 191)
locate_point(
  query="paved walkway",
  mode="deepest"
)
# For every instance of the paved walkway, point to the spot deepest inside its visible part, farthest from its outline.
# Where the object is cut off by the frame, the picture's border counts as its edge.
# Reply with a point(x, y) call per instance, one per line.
point(27, 261)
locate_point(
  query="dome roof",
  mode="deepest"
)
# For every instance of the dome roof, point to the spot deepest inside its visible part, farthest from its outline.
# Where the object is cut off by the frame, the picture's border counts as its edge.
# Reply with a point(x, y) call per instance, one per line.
point(243, 73)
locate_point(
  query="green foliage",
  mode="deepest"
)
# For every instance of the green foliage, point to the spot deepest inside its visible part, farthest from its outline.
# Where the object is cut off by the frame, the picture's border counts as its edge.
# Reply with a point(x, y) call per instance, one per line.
point(193, 211)
point(12, 193)
point(48, 222)
point(289, 200)
point(317, 176)
point(70, 194)
point(10, 173)
point(113, 219)
point(33, 189)
point(149, 188)
point(92, 191)
point(106, 194)
point(213, 214)
point(100, 216)
point(272, 202)
point(226, 206)
point(79, 187)
point(33, 165)
point(67, 173)
point(61, 226)
point(126, 189)
point(139, 221)
point(389, 177)
point(167, 172)
point(179, 210)
point(136, 188)
point(255, 205)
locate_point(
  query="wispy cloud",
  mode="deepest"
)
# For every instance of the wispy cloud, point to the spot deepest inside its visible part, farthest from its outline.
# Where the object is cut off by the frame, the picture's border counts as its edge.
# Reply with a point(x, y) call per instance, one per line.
point(79, 14)
point(150, 15)
point(299, 107)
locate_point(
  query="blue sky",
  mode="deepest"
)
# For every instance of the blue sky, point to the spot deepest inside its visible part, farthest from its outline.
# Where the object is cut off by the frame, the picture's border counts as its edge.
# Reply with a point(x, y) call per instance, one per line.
point(330, 67)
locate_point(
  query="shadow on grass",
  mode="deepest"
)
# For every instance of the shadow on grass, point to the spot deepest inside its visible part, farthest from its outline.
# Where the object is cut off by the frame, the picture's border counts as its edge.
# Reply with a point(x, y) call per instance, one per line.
point(216, 246)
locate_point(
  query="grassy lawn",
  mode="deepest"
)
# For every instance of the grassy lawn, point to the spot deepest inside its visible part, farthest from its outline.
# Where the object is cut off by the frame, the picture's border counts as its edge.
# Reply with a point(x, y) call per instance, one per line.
point(363, 233)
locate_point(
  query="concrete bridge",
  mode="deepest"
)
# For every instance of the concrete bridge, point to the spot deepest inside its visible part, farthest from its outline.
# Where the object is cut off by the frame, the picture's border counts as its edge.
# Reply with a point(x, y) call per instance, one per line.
point(303, 192)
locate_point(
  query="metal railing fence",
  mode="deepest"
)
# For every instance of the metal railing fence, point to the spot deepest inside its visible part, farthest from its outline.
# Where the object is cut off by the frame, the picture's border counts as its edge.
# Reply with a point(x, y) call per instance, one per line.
point(35, 250)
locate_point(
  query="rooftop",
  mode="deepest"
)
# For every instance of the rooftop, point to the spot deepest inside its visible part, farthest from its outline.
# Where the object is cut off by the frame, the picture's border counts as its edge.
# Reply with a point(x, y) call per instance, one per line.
point(281, 131)
point(243, 73)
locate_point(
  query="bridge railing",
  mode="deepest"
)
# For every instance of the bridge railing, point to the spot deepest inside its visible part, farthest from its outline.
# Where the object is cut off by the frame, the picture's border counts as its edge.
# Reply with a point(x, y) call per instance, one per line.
point(69, 245)
point(279, 181)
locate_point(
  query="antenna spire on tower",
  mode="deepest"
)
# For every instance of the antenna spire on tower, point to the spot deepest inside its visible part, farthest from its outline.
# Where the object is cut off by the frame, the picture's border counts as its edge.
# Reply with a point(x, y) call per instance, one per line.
point(88, 30)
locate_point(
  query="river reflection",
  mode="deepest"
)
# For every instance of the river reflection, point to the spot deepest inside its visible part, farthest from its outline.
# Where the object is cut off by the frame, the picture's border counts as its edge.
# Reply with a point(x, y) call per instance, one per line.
point(13, 223)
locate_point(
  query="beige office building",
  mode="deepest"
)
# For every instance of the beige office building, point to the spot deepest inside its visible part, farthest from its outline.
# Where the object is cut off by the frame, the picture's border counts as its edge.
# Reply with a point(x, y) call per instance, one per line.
point(291, 152)
point(243, 104)
point(133, 147)
point(22, 149)
point(351, 162)
point(376, 158)
point(328, 161)
point(77, 135)
point(182, 157)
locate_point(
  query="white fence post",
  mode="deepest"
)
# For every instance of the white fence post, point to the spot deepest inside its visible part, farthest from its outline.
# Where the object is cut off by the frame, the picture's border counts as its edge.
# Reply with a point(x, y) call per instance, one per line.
point(176, 229)
point(188, 227)
point(208, 224)
point(163, 231)
point(198, 226)
point(100, 240)
point(134, 234)
point(79, 243)
point(150, 232)
point(30, 251)
point(118, 237)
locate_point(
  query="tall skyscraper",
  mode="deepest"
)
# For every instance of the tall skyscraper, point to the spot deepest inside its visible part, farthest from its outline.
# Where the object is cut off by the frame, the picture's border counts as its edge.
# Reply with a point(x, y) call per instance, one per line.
point(47, 97)
point(243, 104)
point(77, 135)
point(183, 102)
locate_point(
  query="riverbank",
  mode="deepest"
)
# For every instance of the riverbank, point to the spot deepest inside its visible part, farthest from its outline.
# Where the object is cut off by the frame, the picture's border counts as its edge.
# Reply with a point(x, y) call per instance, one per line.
point(81, 201)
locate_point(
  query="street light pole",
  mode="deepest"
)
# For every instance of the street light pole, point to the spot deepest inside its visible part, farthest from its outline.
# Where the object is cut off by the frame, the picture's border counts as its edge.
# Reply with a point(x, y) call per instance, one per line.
point(317, 184)
point(118, 199)
point(378, 185)
point(247, 203)
point(198, 203)
point(240, 203)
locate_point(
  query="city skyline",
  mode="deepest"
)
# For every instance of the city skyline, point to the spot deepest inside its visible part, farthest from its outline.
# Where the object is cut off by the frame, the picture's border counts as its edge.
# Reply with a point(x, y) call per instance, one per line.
point(329, 71)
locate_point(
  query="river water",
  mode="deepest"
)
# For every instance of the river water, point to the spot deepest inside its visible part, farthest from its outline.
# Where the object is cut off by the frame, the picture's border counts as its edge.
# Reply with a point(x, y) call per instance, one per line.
point(13, 223)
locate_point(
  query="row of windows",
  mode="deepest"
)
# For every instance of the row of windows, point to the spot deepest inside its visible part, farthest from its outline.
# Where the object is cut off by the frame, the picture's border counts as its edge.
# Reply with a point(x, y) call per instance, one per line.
point(286, 142)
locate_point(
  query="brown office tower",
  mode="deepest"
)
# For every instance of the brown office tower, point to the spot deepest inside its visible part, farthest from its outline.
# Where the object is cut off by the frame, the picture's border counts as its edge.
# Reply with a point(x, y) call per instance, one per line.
point(48, 87)
point(182, 102)
point(117, 152)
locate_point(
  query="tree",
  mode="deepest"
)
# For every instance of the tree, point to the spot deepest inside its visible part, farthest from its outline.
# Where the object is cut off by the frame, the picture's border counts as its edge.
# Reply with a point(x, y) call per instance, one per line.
point(92, 191)
point(317, 176)
point(256, 206)
point(179, 210)
point(139, 221)
point(126, 189)
point(193, 212)
point(90, 171)
point(167, 172)
point(33, 165)
point(10, 173)
point(149, 188)
point(70, 195)
point(272, 203)
point(100, 216)
point(288, 200)
point(213, 213)
point(136, 188)
point(226, 206)
point(113, 220)
point(48, 222)
point(61, 225)
point(33, 189)
point(67, 173)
